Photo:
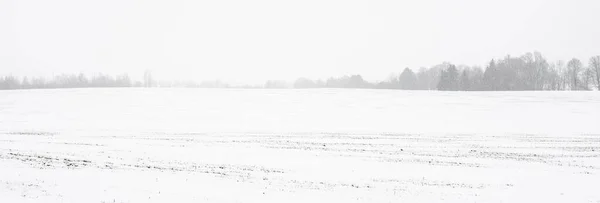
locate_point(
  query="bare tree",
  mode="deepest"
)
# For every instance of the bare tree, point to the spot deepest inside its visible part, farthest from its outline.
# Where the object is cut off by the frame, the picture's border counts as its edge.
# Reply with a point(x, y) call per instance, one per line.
point(148, 80)
point(574, 68)
point(595, 69)
point(563, 74)
point(587, 77)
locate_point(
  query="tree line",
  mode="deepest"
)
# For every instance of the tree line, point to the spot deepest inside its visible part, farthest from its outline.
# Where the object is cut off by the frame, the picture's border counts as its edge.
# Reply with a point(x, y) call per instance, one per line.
point(101, 80)
point(530, 71)
point(66, 81)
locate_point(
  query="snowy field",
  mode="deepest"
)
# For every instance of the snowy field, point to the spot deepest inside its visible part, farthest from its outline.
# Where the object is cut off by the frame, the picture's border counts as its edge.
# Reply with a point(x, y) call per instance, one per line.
point(227, 145)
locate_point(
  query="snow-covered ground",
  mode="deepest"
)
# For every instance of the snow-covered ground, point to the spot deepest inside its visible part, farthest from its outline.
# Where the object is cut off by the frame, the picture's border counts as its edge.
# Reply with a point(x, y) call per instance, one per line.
point(227, 145)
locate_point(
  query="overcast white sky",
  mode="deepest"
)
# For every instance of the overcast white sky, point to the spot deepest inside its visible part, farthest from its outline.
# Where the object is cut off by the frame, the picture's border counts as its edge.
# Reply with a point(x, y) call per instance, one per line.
point(242, 41)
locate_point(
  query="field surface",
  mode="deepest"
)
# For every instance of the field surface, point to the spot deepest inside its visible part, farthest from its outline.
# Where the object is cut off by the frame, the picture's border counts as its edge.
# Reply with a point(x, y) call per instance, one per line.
point(323, 145)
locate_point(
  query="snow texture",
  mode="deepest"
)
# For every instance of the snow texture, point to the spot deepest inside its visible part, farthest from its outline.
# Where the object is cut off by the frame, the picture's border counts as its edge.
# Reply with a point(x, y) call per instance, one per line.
point(321, 145)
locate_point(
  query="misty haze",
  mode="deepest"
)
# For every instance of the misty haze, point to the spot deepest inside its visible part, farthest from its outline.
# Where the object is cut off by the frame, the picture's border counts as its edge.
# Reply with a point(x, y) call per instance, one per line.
point(299, 101)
